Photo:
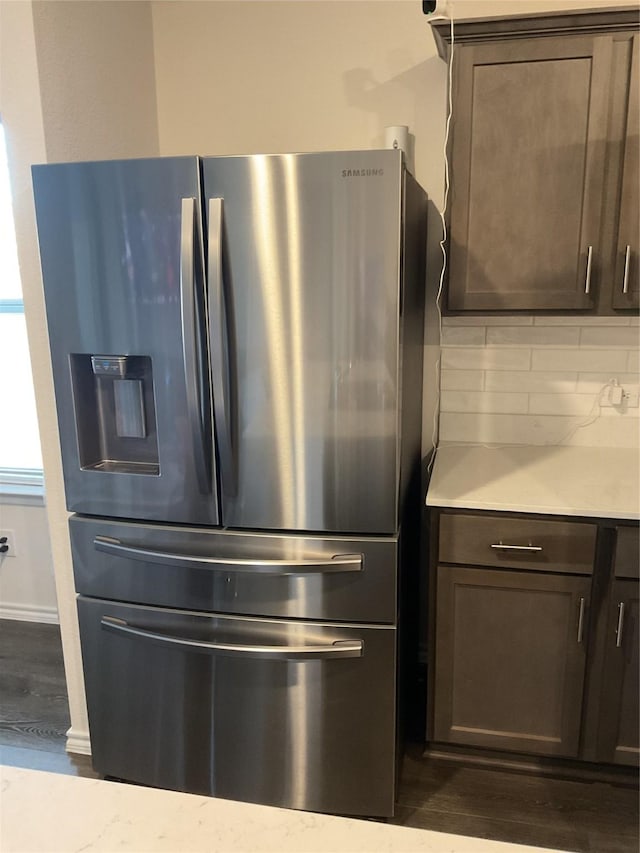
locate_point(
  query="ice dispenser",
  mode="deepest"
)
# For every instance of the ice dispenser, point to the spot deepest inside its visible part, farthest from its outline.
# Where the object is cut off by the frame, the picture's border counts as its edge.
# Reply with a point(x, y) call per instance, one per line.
point(115, 413)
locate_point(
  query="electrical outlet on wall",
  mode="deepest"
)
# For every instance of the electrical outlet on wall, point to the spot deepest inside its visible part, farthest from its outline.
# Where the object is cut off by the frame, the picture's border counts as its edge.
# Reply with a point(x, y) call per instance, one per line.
point(8, 542)
point(620, 398)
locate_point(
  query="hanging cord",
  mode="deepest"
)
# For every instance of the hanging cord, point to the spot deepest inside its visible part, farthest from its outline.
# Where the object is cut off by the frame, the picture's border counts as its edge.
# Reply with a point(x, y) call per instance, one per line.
point(443, 249)
point(594, 413)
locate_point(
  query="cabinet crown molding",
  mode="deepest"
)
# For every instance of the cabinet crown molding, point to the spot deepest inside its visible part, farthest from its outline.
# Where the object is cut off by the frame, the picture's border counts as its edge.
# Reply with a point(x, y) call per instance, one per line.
point(532, 25)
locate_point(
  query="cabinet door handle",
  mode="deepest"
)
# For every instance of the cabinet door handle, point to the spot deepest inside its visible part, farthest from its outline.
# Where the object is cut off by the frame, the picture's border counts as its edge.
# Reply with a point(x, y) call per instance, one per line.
point(620, 624)
point(499, 546)
point(581, 620)
point(587, 278)
point(625, 276)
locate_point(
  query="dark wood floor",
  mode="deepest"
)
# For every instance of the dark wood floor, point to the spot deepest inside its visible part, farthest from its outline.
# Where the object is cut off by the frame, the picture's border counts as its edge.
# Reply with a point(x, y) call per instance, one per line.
point(436, 794)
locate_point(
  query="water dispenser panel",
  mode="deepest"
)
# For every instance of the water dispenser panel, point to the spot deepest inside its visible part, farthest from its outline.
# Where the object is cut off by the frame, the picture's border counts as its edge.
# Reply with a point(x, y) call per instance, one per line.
point(115, 413)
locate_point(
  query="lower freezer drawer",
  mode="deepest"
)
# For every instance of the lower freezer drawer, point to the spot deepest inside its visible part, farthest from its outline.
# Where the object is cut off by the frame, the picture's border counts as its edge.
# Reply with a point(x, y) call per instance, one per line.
point(293, 714)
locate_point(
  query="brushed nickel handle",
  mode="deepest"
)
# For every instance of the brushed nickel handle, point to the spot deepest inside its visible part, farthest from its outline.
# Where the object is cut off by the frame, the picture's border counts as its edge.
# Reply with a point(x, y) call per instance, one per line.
point(581, 620)
point(188, 235)
point(217, 339)
point(499, 546)
point(329, 649)
point(587, 278)
point(620, 624)
point(323, 564)
point(625, 277)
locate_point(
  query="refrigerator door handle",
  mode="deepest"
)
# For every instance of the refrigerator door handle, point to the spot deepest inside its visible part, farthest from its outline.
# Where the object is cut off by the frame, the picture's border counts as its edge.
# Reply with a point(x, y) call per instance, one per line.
point(217, 340)
point(314, 565)
point(189, 339)
point(331, 649)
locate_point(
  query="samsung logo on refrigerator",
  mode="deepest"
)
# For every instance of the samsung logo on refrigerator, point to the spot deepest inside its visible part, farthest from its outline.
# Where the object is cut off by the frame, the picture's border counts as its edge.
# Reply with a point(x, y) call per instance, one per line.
point(361, 173)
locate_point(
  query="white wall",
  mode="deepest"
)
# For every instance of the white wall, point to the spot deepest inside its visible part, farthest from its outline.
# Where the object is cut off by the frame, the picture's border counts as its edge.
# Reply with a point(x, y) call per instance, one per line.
point(77, 82)
point(97, 83)
point(27, 583)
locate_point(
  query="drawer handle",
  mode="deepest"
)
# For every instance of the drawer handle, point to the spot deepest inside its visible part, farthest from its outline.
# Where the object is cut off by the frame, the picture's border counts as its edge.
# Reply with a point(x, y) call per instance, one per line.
point(620, 624)
point(328, 649)
point(312, 565)
point(500, 546)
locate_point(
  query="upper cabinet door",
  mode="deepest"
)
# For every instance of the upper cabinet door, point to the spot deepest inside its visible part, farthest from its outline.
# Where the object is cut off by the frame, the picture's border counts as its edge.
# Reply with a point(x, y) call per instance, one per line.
point(528, 158)
point(626, 282)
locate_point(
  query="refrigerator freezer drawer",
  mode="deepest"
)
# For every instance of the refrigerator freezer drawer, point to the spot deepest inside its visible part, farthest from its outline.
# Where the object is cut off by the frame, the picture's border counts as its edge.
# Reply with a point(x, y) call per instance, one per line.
point(283, 713)
point(340, 579)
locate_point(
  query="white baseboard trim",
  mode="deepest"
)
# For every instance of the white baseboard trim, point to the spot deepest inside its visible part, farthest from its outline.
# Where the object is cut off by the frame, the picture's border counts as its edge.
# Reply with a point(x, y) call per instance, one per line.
point(25, 613)
point(78, 741)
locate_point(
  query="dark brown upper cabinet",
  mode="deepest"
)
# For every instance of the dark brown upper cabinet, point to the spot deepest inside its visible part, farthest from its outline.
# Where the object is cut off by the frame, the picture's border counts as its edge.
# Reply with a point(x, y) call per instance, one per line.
point(626, 280)
point(543, 204)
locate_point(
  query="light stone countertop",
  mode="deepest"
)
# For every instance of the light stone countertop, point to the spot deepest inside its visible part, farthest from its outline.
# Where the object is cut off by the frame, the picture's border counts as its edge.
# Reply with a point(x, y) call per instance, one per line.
point(581, 481)
point(45, 813)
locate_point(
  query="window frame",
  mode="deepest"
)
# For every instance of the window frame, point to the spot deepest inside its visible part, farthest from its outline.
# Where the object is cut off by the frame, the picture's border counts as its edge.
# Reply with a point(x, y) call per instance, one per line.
point(19, 485)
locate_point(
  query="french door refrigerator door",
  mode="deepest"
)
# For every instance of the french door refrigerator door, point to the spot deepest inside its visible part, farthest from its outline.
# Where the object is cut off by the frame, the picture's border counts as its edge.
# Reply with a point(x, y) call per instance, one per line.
point(122, 256)
point(283, 713)
point(304, 300)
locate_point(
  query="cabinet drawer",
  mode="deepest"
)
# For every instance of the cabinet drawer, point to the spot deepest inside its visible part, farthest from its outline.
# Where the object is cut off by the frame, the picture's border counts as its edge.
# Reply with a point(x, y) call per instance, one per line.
point(627, 559)
point(520, 543)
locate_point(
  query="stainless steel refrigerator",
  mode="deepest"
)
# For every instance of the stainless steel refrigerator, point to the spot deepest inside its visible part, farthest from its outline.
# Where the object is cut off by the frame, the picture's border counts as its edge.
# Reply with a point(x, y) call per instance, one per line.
point(237, 354)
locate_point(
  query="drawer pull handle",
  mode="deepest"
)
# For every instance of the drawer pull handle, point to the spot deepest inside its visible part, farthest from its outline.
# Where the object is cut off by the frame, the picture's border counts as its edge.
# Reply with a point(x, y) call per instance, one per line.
point(581, 620)
point(499, 546)
point(327, 650)
point(312, 565)
point(620, 624)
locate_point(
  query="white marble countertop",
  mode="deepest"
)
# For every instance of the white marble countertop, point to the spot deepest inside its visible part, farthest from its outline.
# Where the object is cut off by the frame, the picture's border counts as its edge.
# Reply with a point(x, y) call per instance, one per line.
point(45, 813)
point(582, 481)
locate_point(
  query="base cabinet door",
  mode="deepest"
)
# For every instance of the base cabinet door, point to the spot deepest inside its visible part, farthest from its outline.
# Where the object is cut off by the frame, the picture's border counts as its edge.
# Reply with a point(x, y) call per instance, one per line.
point(619, 740)
point(510, 659)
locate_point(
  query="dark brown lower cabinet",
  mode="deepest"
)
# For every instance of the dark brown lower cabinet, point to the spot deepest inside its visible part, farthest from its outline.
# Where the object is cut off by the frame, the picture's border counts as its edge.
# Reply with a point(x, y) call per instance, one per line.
point(620, 714)
point(510, 659)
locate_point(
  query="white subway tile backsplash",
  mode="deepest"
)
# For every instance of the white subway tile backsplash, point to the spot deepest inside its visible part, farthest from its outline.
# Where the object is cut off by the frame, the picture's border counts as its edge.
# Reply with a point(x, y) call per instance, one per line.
point(624, 411)
point(579, 359)
point(591, 383)
point(463, 336)
point(562, 404)
point(502, 429)
point(476, 320)
point(536, 380)
point(461, 380)
point(610, 337)
point(482, 402)
point(603, 433)
point(557, 336)
point(537, 430)
point(576, 320)
point(486, 358)
point(530, 380)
